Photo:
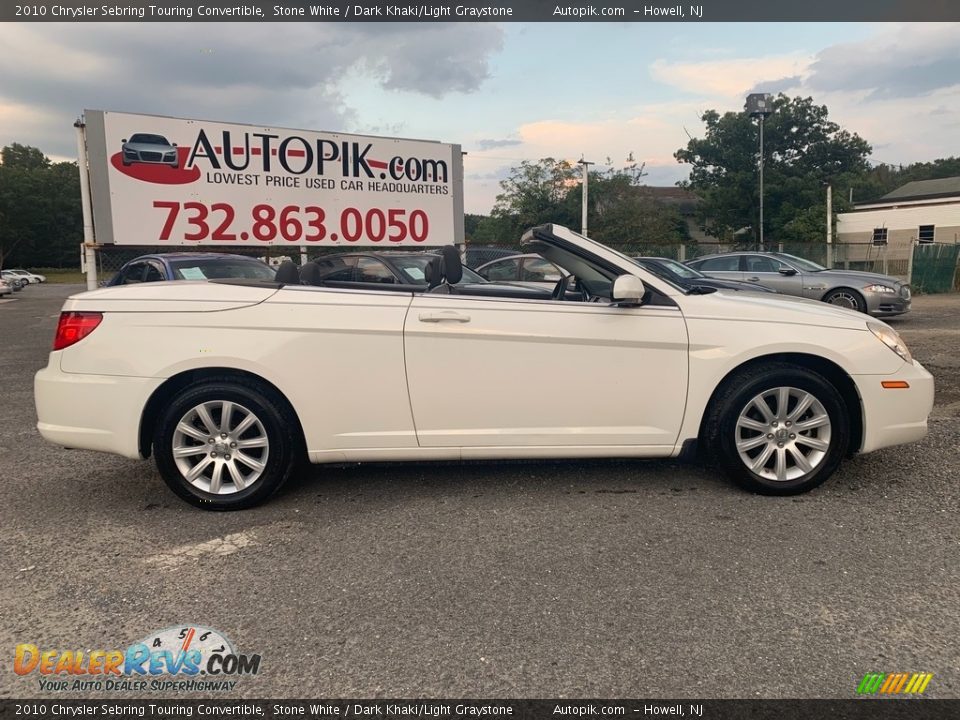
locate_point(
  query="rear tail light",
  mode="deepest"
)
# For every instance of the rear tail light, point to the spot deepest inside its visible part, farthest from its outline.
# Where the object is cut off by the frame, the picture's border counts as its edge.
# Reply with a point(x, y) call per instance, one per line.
point(74, 327)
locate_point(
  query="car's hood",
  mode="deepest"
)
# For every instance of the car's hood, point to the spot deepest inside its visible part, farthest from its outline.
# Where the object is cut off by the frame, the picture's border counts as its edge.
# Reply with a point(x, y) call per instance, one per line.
point(173, 296)
point(770, 307)
point(858, 276)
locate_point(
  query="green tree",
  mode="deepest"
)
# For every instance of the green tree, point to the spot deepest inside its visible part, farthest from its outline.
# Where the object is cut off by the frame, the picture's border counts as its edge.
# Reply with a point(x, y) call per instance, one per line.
point(803, 150)
point(536, 193)
point(40, 214)
point(24, 157)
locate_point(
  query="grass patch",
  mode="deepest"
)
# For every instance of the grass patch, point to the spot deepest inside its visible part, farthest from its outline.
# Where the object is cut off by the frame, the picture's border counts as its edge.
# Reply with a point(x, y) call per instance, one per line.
point(61, 275)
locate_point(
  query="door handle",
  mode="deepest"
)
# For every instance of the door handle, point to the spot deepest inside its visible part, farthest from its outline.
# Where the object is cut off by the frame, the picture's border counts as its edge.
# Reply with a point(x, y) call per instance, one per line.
point(753, 279)
point(446, 316)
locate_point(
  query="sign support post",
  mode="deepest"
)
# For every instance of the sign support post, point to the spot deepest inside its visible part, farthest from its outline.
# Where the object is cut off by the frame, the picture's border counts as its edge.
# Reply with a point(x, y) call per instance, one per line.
point(89, 241)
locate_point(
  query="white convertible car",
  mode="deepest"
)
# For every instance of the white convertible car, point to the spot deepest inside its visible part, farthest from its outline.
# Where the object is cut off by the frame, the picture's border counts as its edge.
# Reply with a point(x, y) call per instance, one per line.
point(229, 383)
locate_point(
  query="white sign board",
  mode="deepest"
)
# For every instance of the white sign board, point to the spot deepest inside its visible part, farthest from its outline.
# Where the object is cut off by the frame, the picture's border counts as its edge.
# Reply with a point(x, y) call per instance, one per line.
point(159, 180)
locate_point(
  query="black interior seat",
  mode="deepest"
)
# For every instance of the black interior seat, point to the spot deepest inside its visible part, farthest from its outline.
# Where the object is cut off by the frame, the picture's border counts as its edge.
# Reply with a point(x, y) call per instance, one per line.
point(450, 271)
point(311, 274)
point(287, 273)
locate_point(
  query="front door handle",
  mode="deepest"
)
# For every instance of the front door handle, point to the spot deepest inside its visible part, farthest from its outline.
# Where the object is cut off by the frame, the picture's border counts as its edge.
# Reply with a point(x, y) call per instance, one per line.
point(754, 279)
point(446, 316)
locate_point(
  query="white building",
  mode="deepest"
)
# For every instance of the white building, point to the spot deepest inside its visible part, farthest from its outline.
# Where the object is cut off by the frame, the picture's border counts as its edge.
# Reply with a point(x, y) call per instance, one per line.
point(924, 211)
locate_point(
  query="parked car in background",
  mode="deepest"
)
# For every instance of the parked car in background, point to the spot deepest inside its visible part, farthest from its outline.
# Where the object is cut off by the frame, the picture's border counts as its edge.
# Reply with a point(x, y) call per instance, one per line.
point(480, 255)
point(406, 268)
point(17, 282)
point(688, 278)
point(191, 266)
point(231, 384)
point(5, 288)
point(528, 267)
point(30, 277)
point(872, 293)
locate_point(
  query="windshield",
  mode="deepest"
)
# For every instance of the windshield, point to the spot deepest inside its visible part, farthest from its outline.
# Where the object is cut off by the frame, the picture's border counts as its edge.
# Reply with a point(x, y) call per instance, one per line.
point(148, 139)
point(221, 268)
point(677, 268)
point(801, 264)
point(412, 266)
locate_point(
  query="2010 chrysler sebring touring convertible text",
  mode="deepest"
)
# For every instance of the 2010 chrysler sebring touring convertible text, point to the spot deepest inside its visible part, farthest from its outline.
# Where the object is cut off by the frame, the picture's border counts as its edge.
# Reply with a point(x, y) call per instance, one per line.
point(229, 382)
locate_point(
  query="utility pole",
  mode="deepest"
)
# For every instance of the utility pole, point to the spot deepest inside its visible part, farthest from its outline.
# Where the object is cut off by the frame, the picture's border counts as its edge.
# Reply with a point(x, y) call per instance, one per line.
point(585, 182)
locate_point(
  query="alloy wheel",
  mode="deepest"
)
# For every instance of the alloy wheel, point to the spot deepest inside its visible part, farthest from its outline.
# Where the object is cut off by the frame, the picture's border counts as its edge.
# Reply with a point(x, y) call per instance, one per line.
point(783, 434)
point(220, 447)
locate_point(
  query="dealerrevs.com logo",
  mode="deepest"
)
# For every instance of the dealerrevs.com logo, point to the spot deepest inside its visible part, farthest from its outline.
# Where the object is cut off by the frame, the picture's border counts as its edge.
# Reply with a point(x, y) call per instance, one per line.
point(181, 658)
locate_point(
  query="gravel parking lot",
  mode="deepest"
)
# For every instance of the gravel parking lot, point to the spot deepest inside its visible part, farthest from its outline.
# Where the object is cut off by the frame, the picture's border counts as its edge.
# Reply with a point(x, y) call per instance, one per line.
point(596, 579)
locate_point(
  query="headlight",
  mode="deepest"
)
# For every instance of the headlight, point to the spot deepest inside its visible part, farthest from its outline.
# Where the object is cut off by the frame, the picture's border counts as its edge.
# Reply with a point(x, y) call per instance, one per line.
point(880, 289)
point(889, 337)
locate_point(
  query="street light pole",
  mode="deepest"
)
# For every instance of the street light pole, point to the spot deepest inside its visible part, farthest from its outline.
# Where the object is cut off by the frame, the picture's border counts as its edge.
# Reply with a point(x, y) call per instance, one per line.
point(761, 183)
point(760, 105)
point(585, 182)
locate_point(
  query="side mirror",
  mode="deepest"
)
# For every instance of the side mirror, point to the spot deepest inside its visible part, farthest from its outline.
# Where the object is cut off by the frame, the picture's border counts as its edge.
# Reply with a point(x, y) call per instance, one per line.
point(124, 140)
point(784, 270)
point(174, 144)
point(627, 291)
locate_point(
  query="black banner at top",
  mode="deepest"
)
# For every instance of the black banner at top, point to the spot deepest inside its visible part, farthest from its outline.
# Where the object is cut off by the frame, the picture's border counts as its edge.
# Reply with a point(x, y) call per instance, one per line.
point(638, 11)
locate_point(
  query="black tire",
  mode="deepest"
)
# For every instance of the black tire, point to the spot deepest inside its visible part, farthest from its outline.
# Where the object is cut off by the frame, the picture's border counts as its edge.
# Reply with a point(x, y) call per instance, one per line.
point(722, 430)
point(280, 429)
point(846, 297)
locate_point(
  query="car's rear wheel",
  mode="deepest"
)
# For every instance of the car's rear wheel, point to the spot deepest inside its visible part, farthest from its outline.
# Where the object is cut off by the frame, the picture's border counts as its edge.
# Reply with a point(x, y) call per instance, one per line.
point(845, 297)
point(778, 429)
point(225, 445)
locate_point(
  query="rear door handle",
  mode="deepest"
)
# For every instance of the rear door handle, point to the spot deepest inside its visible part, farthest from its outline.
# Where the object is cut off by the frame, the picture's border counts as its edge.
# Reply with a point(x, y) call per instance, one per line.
point(446, 316)
point(753, 279)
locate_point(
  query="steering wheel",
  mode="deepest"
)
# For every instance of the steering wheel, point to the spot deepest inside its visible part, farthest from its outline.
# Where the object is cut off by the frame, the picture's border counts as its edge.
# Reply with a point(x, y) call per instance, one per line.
point(560, 290)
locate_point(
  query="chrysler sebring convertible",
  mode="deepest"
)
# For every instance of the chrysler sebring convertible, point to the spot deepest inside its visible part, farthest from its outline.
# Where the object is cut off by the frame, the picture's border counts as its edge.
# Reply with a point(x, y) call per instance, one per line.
point(229, 383)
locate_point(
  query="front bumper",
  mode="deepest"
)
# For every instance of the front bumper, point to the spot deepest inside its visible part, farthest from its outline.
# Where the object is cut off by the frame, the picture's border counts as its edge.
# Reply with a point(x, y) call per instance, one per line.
point(888, 304)
point(91, 412)
point(894, 417)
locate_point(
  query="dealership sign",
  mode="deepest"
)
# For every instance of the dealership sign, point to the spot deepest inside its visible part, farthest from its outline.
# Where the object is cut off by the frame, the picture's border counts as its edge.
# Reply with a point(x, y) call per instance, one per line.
point(159, 180)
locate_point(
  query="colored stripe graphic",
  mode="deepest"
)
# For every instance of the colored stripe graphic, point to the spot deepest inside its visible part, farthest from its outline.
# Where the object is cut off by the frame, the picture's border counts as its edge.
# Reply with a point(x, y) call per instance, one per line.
point(894, 683)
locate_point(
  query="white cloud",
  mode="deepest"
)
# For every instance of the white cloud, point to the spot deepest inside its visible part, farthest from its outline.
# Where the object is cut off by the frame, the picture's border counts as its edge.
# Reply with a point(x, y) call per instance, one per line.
point(728, 77)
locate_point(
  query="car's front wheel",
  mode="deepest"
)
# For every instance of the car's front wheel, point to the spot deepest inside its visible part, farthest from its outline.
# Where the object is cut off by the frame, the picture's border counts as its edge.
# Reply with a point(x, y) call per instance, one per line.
point(225, 445)
point(778, 429)
point(845, 297)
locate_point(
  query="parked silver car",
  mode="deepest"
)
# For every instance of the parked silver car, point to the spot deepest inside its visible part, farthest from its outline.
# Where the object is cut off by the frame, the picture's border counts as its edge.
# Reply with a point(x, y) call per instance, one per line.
point(872, 293)
point(149, 148)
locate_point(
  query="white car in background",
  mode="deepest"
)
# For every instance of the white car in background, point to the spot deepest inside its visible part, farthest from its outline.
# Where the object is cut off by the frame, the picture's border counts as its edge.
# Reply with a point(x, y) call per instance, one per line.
point(28, 276)
point(228, 383)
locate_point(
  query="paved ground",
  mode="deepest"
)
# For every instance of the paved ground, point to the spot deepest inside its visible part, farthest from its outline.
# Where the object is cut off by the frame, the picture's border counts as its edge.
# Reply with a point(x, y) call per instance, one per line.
point(640, 578)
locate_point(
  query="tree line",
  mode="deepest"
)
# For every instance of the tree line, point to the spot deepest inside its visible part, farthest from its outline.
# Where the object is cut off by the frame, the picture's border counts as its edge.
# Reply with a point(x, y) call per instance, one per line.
point(803, 152)
point(41, 221)
point(41, 218)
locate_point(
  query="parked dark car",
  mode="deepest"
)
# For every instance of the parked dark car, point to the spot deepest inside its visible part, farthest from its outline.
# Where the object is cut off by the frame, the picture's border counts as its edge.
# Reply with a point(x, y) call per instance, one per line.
point(872, 293)
point(687, 278)
point(191, 266)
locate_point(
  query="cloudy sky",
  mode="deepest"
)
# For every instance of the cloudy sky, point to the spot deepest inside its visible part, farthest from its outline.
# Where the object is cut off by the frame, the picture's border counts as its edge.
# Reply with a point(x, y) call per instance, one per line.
point(505, 92)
